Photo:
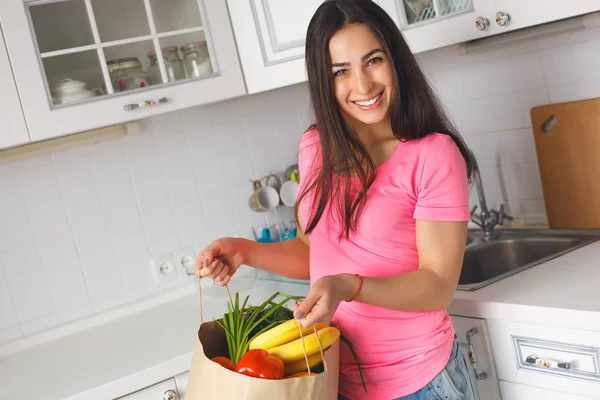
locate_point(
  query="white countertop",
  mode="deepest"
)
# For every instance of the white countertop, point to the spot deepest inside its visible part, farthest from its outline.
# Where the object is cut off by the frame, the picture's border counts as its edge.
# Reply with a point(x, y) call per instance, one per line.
point(112, 355)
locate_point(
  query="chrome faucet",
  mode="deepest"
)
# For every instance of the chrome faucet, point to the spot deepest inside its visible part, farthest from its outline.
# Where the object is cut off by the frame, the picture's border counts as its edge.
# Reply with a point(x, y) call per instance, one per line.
point(486, 219)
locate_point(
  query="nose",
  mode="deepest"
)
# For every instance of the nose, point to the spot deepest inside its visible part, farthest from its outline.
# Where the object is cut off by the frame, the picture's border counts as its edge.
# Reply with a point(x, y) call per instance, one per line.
point(362, 82)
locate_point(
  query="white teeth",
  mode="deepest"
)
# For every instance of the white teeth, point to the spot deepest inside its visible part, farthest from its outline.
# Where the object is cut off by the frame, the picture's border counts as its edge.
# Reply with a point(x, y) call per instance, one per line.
point(368, 103)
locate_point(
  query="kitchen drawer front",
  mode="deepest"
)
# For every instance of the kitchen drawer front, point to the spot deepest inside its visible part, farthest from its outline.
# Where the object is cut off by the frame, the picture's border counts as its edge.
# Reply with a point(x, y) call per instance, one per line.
point(515, 391)
point(556, 359)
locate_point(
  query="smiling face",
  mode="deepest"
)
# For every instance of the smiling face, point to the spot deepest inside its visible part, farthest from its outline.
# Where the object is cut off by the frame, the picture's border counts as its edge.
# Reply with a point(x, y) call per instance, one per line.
point(363, 76)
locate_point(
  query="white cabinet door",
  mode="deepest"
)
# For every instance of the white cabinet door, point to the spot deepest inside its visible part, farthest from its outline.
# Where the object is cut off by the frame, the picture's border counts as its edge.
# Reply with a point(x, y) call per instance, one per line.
point(515, 391)
point(86, 40)
point(181, 381)
point(525, 13)
point(14, 132)
point(473, 339)
point(430, 24)
point(270, 35)
point(161, 391)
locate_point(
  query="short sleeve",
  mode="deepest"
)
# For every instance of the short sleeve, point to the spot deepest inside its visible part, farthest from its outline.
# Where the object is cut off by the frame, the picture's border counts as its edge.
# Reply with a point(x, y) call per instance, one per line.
point(309, 159)
point(443, 188)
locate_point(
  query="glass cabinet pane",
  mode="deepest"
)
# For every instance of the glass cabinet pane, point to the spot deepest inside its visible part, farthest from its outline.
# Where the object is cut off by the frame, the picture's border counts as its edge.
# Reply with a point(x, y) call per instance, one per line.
point(448, 7)
point(128, 66)
point(120, 19)
point(61, 25)
point(192, 55)
point(172, 15)
point(418, 10)
point(74, 77)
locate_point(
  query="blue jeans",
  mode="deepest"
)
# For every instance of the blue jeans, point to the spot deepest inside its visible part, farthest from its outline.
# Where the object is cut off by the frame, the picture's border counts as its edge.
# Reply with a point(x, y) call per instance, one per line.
point(453, 383)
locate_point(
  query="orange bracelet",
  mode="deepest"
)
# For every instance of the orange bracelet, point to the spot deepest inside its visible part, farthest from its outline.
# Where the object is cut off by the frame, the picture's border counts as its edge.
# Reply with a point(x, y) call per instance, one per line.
point(360, 281)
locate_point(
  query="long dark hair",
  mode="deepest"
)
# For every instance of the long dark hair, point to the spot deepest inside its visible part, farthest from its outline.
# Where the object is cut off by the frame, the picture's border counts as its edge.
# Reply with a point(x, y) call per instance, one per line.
point(415, 110)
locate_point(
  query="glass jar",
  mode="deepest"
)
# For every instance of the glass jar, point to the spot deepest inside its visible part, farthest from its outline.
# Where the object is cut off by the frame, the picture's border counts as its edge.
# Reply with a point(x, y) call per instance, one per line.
point(173, 65)
point(127, 74)
point(196, 59)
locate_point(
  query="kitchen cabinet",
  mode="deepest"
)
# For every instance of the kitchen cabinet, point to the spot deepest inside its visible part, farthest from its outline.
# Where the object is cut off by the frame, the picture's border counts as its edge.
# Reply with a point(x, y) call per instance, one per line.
point(515, 391)
point(14, 132)
point(546, 358)
point(270, 36)
point(430, 24)
point(166, 390)
point(524, 14)
point(84, 64)
point(473, 339)
point(181, 381)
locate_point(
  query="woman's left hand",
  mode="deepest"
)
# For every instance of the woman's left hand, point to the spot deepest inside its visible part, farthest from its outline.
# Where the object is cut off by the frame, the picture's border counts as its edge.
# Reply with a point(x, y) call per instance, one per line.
point(324, 298)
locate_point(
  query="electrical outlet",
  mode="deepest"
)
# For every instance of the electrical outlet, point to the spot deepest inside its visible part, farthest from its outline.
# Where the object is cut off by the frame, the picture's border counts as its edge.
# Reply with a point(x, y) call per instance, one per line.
point(185, 262)
point(163, 268)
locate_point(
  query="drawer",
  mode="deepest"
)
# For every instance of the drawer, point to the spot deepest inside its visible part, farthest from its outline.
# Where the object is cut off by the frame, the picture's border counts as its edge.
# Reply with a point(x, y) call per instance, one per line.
point(557, 359)
point(516, 391)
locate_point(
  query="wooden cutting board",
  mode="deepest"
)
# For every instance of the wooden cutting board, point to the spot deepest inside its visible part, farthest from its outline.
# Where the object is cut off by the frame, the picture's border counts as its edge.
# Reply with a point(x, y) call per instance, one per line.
point(567, 140)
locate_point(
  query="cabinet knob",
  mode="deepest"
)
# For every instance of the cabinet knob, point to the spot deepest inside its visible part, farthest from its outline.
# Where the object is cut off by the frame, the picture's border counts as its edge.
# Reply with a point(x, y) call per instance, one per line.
point(502, 18)
point(482, 23)
point(169, 395)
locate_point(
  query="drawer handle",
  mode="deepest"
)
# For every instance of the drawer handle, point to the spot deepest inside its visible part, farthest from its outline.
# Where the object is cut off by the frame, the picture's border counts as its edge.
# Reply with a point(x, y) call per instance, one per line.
point(549, 363)
point(145, 104)
point(472, 359)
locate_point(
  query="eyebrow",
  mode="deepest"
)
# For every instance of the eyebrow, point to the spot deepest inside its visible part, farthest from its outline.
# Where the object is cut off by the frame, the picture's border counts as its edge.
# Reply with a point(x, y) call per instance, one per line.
point(363, 58)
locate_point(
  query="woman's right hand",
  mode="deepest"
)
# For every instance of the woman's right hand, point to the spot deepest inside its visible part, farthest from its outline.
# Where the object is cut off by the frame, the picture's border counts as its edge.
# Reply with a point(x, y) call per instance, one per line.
point(221, 259)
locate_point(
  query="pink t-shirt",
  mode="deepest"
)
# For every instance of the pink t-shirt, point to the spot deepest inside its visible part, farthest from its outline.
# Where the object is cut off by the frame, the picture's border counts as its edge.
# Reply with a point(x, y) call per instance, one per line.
point(400, 351)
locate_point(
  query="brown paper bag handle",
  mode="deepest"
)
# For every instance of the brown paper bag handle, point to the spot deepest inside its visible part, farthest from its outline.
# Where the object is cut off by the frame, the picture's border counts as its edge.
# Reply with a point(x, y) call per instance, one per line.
point(200, 297)
point(304, 347)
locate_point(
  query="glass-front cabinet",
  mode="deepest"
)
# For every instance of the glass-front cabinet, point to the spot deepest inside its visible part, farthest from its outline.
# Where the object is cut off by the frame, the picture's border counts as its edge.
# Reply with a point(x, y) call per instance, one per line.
point(83, 64)
point(430, 24)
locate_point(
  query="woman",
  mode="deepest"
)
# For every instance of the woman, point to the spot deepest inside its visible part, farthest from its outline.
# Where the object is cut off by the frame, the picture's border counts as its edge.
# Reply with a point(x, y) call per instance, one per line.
point(382, 211)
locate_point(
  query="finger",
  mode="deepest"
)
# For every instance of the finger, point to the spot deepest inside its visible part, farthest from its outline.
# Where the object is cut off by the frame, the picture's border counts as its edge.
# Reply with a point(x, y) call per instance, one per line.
point(225, 280)
point(307, 304)
point(224, 272)
point(219, 266)
point(314, 316)
point(210, 269)
point(207, 255)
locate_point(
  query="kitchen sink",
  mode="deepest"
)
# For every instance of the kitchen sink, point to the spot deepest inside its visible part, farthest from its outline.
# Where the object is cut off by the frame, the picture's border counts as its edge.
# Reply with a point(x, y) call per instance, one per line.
point(511, 251)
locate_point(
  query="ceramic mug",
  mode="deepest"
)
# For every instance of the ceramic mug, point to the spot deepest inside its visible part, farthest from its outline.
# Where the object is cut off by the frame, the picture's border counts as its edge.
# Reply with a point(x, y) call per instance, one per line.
point(253, 201)
point(289, 193)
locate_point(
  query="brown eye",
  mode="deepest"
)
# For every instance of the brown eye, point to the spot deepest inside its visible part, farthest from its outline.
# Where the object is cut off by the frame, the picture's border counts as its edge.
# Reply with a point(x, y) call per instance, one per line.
point(374, 60)
point(340, 72)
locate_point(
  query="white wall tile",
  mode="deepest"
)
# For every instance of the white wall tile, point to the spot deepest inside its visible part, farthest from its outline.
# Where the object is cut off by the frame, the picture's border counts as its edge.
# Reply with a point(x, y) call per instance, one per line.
point(10, 334)
point(177, 168)
point(147, 176)
point(65, 278)
point(574, 91)
point(106, 288)
point(28, 283)
point(218, 206)
point(512, 111)
point(503, 148)
point(190, 221)
point(515, 74)
point(472, 116)
point(161, 231)
point(114, 185)
point(44, 202)
point(8, 314)
point(207, 161)
point(15, 229)
point(133, 257)
point(40, 324)
point(76, 179)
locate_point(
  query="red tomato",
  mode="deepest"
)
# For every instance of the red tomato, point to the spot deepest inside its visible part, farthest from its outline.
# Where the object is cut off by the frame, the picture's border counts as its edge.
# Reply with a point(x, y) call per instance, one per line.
point(224, 362)
point(259, 363)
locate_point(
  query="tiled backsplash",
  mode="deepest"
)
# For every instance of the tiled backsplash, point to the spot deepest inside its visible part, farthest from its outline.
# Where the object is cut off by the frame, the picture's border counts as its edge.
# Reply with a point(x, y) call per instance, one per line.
point(80, 226)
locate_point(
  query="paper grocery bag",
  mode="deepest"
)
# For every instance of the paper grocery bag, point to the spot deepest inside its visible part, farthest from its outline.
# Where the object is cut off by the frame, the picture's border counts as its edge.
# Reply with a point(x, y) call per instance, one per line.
point(210, 381)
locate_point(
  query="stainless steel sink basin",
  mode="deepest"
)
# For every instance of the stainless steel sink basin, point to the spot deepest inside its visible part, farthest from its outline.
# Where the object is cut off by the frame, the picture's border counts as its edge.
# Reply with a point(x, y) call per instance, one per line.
point(511, 251)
